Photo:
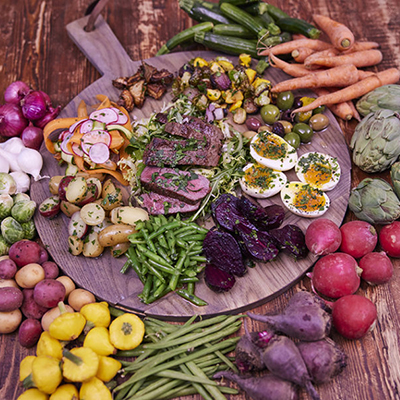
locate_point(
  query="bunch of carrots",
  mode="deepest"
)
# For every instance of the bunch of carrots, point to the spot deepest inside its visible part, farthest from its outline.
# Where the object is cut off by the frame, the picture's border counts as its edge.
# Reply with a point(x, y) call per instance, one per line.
point(331, 69)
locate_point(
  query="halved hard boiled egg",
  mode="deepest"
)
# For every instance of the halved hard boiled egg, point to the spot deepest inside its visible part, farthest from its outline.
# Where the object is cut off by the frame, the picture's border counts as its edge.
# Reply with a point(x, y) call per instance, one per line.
point(304, 200)
point(261, 182)
point(272, 151)
point(319, 170)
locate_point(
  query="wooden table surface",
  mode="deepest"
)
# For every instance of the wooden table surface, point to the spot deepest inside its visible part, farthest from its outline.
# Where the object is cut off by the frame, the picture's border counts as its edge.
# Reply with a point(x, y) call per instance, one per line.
point(34, 47)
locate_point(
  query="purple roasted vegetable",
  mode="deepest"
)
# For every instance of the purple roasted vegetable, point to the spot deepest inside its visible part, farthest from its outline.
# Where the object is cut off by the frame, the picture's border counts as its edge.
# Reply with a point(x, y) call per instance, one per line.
point(220, 80)
point(258, 244)
point(217, 279)
point(266, 387)
point(222, 250)
point(291, 240)
point(270, 217)
point(324, 359)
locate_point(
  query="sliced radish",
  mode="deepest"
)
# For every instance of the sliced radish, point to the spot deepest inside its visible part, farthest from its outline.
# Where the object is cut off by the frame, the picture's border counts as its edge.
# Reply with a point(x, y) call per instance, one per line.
point(106, 115)
point(99, 153)
point(62, 135)
point(87, 126)
point(122, 117)
point(73, 126)
point(63, 144)
point(77, 149)
point(93, 137)
point(111, 165)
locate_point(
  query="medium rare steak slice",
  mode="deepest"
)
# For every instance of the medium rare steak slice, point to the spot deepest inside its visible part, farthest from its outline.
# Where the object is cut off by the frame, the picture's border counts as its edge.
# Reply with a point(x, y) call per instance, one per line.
point(183, 185)
point(160, 152)
point(156, 204)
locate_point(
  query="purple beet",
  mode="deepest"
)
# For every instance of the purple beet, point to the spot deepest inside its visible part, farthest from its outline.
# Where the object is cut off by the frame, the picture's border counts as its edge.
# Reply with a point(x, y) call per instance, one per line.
point(291, 240)
point(303, 319)
point(266, 387)
point(324, 359)
point(270, 217)
point(222, 250)
point(217, 279)
point(283, 358)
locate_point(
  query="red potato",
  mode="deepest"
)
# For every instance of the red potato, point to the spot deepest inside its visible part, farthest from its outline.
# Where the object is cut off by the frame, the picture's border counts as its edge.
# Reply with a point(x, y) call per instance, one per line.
point(92, 194)
point(25, 252)
point(358, 238)
point(11, 298)
point(323, 237)
point(30, 308)
point(377, 268)
point(50, 207)
point(354, 316)
point(44, 256)
point(29, 332)
point(62, 186)
point(389, 239)
point(8, 268)
point(51, 270)
point(48, 293)
point(336, 275)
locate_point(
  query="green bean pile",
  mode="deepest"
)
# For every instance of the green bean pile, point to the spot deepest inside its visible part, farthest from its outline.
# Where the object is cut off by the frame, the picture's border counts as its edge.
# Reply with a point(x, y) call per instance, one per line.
point(179, 360)
point(166, 256)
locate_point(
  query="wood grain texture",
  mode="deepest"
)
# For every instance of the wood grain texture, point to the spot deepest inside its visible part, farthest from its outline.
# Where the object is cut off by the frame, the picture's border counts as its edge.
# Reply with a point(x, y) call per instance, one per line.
point(35, 47)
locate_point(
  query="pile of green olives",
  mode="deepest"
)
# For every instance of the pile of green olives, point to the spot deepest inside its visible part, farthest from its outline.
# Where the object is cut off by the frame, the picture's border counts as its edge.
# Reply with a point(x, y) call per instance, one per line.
point(295, 129)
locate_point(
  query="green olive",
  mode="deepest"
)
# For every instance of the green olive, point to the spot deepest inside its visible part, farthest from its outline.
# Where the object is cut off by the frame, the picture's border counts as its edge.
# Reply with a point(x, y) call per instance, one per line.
point(303, 116)
point(318, 122)
point(285, 100)
point(304, 131)
point(293, 139)
point(270, 113)
point(263, 128)
point(319, 110)
point(287, 126)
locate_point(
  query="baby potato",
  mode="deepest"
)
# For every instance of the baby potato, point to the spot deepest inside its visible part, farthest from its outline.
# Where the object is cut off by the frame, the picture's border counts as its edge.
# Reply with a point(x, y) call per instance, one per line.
point(92, 214)
point(79, 297)
point(54, 183)
point(68, 208)
point(8, 283)
point(92, 246)
point(115, 234)
point(68, 284)
point(52, 314)
point(75, 245)
point(128, 215)
point(10, 320)
point(29, 275)
point(76, 190)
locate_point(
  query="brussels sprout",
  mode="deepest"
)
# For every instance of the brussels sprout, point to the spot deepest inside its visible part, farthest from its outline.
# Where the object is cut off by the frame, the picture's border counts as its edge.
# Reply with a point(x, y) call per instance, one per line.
point(29, 230)
point(6, 203)
point(4, 246)
point(23, 211)
point(7, 184)
point(11, 230)
point(21, 197)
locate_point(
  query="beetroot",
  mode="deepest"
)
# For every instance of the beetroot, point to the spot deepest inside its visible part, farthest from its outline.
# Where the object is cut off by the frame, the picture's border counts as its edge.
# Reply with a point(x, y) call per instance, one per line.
point(217, 279)
point(303, 319)
point(270, 217)
point(324, 359)
point(266, 387)
point(291, 240)
point(283, 358)
point(222, 250)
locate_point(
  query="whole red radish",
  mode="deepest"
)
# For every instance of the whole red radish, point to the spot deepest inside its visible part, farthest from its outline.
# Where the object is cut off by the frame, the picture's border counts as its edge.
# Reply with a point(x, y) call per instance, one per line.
point(389, 238)
point(358, 238)
point(323, 237)
point(353, 316)
point(336, 275)
point(377, 268)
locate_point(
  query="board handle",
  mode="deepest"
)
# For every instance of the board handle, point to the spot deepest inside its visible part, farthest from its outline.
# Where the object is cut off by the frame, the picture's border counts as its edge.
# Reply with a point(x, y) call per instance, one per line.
point(101, 47)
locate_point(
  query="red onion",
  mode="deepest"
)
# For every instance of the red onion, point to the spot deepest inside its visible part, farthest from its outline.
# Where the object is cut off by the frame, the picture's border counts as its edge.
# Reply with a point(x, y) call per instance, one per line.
point(32, 137)
point(49, 116)
point(16, 92)
point(34, 106)
point(12, 121)
point(46, 98)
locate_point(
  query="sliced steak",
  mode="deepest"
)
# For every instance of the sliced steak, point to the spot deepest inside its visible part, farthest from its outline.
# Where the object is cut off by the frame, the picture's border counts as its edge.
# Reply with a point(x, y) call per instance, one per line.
point(156, 204)
point(183, 185)
point(160, 152)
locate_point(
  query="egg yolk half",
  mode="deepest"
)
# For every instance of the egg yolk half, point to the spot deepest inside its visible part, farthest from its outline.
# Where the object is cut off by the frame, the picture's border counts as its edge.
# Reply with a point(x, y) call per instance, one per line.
point(259, 176)
point(309, 199)
point(269, 147)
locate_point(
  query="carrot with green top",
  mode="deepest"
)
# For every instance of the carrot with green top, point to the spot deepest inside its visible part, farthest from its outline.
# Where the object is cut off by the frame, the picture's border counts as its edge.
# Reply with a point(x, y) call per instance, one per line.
point(386, 77)
point(339, 34)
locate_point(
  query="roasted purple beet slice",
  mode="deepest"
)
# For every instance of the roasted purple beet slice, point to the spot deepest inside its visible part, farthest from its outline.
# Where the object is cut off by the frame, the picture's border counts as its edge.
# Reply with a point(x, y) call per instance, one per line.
point(222, 250)
point(259, 245)
point(226, 213)
point(291, 240)
point(270, 217)
point(217, 279)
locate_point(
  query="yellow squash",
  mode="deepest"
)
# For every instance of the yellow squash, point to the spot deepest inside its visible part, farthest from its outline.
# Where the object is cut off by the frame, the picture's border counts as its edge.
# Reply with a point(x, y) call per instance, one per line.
point(126, 331)
point(98, 339)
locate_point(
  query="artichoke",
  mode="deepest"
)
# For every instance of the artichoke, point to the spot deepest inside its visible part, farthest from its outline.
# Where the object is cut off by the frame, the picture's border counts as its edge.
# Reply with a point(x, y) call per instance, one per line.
point(387, 97)
point(395, 177)
point(374, 201)
point(376, 141)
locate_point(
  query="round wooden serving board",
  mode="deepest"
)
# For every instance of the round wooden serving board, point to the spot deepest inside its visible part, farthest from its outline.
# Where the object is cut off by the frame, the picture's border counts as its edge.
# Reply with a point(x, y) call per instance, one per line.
point(101, 276)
